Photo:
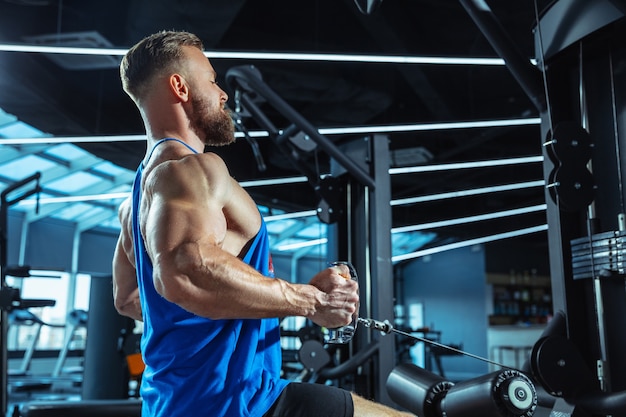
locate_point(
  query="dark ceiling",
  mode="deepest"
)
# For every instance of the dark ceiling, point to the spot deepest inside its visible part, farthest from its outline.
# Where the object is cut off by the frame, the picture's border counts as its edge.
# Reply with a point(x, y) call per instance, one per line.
point(46, 93)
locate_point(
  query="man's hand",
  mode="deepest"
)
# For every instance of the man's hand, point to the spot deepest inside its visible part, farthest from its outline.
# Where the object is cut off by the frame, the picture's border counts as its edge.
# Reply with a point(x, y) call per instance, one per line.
point(341, 297)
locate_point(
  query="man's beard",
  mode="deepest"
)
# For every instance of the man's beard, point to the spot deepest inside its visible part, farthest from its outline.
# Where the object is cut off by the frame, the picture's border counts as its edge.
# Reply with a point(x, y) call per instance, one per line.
point(213, 128)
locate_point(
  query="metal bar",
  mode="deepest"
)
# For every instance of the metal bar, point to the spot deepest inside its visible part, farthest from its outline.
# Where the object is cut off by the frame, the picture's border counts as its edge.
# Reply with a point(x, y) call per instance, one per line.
point(524, 72)
point(386, 328)
point(4, 315)
point(464, 193)
point(248, 77)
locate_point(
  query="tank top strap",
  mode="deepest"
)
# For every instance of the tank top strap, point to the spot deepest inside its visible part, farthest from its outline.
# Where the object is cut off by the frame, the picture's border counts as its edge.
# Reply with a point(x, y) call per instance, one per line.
point(166, 140)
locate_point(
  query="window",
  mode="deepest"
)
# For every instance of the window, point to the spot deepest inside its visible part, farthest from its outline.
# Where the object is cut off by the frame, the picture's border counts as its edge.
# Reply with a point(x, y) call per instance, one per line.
point(68, 293)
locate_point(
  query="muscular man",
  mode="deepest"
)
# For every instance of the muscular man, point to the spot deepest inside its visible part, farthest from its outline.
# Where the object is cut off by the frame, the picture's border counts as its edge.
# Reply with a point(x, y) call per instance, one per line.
point(193, 262)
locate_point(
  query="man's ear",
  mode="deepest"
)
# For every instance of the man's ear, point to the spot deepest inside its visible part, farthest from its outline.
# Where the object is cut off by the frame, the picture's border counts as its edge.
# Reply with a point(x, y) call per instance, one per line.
point(179, 87)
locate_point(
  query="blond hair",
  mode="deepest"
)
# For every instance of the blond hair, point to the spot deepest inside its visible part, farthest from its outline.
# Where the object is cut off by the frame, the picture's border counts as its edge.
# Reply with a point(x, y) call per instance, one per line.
point(155, 54)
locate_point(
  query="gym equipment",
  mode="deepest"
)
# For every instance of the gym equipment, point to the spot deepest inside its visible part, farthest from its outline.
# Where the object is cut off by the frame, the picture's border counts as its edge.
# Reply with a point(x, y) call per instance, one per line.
point(19, 380)
point(129, 346)
point(316, 360)
point(75, 320)
point(577, 87)
point(432, 352)
point(508, 392)
point(105, 375)
point(10, 298)
point(354, 198)
point(21, 317)
point(91, 408)
point(503, 393)
point(385, 327)
point(344, 334)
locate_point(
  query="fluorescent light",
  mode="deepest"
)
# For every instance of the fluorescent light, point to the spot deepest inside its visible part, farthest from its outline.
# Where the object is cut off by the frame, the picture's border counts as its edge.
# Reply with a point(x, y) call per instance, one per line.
point(464, 193)
point(280, 56)
point(44, 273)
point(470, 242)
point(121, 195)
point(75, 198)
point(300, 245)
point(384, 59)
point(274, 181)
point(96, 139)
point(69, 50)
point(71, 139)
point(466, 165)
point(416, 127)
point(287, 216)
point(470, 219)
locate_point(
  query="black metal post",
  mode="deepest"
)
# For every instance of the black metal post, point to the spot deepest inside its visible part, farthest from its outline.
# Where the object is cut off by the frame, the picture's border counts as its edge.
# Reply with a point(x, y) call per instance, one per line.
point(364, 238)
point(579, 47)
point(5, 292)
point(520, 66)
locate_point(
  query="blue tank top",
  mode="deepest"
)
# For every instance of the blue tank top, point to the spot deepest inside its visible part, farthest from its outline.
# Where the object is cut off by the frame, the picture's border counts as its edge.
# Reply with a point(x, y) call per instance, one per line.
point(201, 367)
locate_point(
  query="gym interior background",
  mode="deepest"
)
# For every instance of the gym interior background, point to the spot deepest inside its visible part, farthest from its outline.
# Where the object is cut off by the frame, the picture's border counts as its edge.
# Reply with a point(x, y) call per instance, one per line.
point(462, 228)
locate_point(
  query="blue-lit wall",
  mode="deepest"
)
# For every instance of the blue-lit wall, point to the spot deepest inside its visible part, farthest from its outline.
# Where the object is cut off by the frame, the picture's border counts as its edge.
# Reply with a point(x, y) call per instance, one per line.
point(49, 245)
point(451, 287)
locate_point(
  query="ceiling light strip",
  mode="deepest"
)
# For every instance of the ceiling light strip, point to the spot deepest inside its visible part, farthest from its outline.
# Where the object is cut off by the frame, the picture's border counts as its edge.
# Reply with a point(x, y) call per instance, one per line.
point(273, 181)
point(470, 219)
point(300, 245)
point(378, 59)
point(260, 133)
point(74, 198)
point(71, 139)
point(114, 196)
point(466, 165)
point(63, 50)
point(291, 180)
point(287, 216)
point(465, 193)
point(416, 127)
point(45, 273)
point(471, 242)
point(52, 140)
point(274, 56)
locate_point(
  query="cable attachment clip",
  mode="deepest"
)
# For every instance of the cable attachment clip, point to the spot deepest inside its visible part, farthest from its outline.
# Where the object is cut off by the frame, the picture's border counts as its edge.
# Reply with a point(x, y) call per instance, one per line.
point(384, 326)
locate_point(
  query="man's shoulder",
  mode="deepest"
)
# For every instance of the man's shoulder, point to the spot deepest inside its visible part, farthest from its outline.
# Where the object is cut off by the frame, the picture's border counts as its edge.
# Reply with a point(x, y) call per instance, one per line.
point(202, 173)
point(209, 163)
point(188, 163)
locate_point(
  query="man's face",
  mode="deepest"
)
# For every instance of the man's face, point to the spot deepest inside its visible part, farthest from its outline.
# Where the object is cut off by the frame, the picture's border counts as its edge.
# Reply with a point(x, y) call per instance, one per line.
point(207, 116)
point(212, 124)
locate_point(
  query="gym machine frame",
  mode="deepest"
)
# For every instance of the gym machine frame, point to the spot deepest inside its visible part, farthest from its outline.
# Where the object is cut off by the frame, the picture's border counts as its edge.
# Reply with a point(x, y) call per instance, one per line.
point(10, 298)
point(354, 198)
point(576, 363)
point(579, 360)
